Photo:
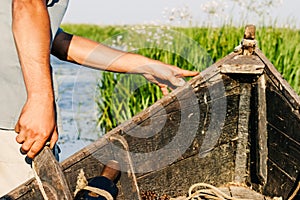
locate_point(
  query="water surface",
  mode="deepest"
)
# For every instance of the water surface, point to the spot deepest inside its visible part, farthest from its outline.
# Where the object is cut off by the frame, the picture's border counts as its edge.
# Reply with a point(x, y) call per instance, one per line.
point(77, 90)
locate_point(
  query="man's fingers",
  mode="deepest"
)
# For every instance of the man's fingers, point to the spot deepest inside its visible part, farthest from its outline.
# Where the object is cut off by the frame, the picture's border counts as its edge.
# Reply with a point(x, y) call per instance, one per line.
point(171, 80)
point(151, 78)
point(20, 138)
point(184, 72)
point(36, 147)
point(32, 146)
point(163, 88)
point(27, 145)
point(54, 138)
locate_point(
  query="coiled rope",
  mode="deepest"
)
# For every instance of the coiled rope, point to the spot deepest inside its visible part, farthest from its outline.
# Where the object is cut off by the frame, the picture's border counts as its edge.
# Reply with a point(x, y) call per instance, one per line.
point(210, 192)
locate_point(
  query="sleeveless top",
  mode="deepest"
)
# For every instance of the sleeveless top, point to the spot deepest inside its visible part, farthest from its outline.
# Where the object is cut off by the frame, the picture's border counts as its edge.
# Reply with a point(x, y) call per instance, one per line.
point(12, 87)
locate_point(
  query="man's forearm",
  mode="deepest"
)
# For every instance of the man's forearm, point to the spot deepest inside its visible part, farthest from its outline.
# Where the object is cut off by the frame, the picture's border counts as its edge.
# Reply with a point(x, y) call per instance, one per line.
point(93, 54)
point(31, 29)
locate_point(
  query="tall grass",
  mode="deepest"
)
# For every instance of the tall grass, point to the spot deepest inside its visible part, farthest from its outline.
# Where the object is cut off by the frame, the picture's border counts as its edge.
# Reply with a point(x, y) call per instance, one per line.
point(282, 47)
point(122, 96)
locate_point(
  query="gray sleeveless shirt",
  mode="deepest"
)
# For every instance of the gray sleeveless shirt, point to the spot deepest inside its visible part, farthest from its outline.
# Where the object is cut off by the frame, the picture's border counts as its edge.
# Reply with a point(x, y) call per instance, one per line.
point(12, 88)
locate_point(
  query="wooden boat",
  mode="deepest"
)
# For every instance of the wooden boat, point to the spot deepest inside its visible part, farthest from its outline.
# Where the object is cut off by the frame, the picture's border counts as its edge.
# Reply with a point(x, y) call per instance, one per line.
point(238, 123)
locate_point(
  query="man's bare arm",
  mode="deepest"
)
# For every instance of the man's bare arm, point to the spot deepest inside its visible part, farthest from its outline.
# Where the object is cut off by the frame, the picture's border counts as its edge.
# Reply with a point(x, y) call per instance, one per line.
point(84, 51)
point(90, 53)
point(31, 29)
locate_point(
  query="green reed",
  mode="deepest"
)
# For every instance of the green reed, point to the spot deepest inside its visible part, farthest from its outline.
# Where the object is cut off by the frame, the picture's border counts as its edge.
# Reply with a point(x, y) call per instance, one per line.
point(121, 96)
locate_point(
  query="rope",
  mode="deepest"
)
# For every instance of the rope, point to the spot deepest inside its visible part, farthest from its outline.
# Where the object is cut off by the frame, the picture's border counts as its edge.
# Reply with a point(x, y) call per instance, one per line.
point(39, 182)
point(295, 192)
point(204, 192)
point(82, 184)
point(210, 193)
point(100, 192)
point(123, 141)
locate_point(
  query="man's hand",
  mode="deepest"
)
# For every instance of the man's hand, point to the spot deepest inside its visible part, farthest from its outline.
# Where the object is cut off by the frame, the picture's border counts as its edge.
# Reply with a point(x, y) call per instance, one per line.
point(36, 125)
point(166, 76)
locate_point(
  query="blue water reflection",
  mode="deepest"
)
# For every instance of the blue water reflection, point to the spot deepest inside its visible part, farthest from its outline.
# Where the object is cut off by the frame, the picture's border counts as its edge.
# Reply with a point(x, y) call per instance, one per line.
point(77, 90)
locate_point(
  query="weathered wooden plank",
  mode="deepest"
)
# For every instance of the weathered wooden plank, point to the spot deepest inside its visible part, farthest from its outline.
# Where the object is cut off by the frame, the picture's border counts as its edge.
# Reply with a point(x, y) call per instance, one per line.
point(282, 114)
point(277, 178)
point(29, 190)
point(285, 152)
point(50, 173)
point(216, 168)
point(281, 84)
point(262, 134)
point(242, 151)
point(159, 131)
point(246, 193)
point(211, 71)
point(275, 105)
point(241, 64)
point(283, 137)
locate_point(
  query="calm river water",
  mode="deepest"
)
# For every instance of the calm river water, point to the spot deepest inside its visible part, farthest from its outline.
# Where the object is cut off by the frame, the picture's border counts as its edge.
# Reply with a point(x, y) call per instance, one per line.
point(76, 101)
